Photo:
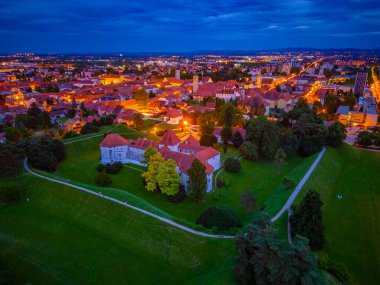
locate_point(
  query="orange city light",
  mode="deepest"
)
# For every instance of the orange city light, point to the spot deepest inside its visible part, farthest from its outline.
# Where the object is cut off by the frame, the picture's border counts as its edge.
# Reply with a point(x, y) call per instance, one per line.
point(185, 122)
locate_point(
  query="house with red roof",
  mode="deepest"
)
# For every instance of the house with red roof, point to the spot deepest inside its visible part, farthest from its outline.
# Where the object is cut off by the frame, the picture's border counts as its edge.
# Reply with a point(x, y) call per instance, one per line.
point(173, 117)
point(116, 148)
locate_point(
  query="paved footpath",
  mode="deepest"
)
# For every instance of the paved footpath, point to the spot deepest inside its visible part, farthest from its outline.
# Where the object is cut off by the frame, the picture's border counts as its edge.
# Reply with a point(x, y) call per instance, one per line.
point(125, 204)
point(292, 197)
point(170, 222)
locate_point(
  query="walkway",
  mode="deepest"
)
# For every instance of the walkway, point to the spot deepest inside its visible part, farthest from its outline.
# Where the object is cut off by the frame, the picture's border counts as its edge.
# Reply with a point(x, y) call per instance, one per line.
point(125, 204)
point(292, 197)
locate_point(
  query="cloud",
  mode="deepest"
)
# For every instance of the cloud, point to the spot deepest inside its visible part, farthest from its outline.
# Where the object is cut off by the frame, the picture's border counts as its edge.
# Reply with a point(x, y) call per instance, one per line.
point(185, 25)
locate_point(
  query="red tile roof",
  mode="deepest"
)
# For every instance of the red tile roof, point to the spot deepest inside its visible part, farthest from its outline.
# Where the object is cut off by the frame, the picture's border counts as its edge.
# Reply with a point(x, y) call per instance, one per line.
point(112, 140)
point(170, 138)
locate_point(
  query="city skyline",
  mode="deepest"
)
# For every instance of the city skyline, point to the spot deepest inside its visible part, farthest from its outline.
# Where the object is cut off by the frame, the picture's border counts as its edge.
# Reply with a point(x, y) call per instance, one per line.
point(178, 26)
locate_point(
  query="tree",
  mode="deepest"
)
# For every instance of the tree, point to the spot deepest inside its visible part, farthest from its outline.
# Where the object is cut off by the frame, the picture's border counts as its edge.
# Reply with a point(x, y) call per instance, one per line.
point(207, 129)
point(336, 133)
point(223, 218)
point(8, 165)
point(248, 202)
point(42, 158)
point(331, 103)
point(237, 139)
point(311, 134)
point(141, 97)
point(249, 150)
point(197, 183)
point(150, 175)
point(168, 177)
point(232, 165)
point(265, 135)
point(279, 158)
point(265, 259)
point(307, 220)
point(149, 151)
point(349, 99)
point(364, 138)
point(226, 134)
point(89, 128)
point(103, 179)
point(46, 122)
point(138, 121)
point(12, 134)
point(289, 142)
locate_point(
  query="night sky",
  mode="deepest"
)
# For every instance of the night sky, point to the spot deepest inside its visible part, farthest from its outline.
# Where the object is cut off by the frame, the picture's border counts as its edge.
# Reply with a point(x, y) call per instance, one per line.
point(69, 26)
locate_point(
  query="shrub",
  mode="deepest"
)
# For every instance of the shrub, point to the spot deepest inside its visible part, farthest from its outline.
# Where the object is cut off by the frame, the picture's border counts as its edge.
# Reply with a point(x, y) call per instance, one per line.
point(100, 167)
point(220, 183)
point(42, 158)
point(223, 218)
point(249, 150)
point(70, 134)
point(103, 179)
point(89, 128)
point(364, 138)
point(113, 168)
point(180, 196)
point(288, 183)
point(232, 165)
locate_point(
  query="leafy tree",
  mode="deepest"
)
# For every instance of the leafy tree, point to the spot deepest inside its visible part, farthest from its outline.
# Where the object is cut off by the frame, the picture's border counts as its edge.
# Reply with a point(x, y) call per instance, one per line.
point(207, 129)
point(249, 150)
point(197, 183)
point(42, 158)
point(222, 217)
point(141, 97)
point(46, 122)
point(150, 175)
point(226, 134)
point(289, 142)
point(311, 133)
point(349, 99)
point(331, 103)
point(149, 151)
point(237, 139)
point(307, 220)
point(265, 135)
point(232, 165)
point(103, 179)
point(264, 259)
point(364, 138)
point(113, 168)
point(12, 134)
point(279, 158)
point(8, 163)
point(168, 177)
point(228, 114)
point(336, 133)
point(138, 121)
point(377, 140)
point(89, 128)
point(248, 202)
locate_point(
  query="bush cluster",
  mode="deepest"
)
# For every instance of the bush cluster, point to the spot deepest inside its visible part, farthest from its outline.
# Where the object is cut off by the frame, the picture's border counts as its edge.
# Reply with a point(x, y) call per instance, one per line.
point(46, 153)
point(222, 218)
point(103, 179)
point(180, 196)
point(110, 168)
point(232, 165)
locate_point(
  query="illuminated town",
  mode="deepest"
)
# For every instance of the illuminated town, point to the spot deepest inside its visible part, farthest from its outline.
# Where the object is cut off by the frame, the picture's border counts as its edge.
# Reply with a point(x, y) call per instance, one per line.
point(191, 145)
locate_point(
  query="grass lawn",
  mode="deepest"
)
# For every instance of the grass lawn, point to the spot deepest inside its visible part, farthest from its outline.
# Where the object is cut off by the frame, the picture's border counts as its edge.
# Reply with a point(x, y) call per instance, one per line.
point(352, 224)
point(64, 236)
point(259, 177)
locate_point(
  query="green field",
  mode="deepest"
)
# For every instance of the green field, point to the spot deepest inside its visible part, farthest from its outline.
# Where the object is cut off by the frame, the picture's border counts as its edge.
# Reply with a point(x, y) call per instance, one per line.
point(64, 236)
point(259, 177)
point(352, 223)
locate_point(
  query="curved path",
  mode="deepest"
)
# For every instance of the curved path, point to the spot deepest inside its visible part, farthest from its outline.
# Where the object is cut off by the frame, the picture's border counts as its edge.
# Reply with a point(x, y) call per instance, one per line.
point(292, 197)
point(125, 204)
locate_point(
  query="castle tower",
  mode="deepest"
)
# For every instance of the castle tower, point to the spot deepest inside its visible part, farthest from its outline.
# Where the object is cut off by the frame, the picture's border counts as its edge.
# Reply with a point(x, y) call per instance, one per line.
point(258, 80)
point(178, 74)
point(195, 83)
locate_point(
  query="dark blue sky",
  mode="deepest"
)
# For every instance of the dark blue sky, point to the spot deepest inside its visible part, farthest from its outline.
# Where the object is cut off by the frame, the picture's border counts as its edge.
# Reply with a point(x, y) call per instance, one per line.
point(64, 26)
